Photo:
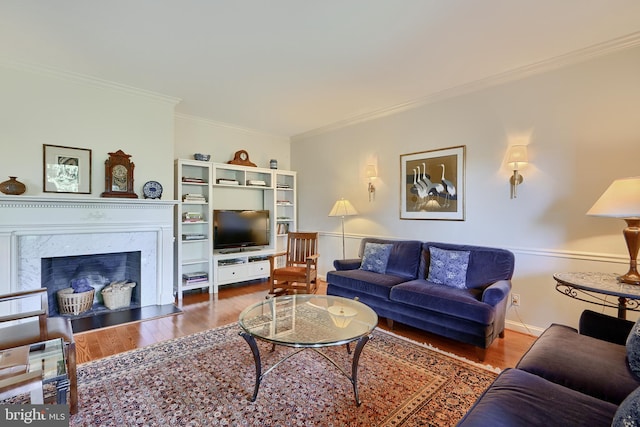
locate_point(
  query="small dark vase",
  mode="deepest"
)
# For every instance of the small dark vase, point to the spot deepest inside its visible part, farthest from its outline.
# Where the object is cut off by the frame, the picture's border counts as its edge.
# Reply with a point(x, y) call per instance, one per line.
point(12, 186)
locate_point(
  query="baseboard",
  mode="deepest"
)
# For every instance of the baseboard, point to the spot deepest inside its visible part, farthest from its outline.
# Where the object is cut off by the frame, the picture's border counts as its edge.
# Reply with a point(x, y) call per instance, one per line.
point(523, 328)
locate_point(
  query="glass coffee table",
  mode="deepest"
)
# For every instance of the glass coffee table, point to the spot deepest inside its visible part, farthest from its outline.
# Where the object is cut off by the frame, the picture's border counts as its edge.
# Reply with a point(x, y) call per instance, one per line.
point(46, 363)
point(308, 322)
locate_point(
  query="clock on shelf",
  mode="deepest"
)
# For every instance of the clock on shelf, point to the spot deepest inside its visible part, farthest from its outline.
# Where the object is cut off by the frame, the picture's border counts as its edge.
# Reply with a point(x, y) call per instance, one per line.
point(241, 158)
point(118, 176)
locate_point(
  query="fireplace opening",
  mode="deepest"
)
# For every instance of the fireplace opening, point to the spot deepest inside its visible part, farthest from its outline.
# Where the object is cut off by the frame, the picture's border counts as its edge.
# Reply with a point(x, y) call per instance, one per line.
point(98, 271)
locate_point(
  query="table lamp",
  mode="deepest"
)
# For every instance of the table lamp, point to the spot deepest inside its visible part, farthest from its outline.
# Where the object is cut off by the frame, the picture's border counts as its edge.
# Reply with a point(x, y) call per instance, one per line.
point(622, 200)
point(343, 208)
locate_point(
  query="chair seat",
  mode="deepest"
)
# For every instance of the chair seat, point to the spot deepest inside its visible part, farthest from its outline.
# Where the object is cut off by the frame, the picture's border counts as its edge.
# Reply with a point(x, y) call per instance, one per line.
point(297, 272)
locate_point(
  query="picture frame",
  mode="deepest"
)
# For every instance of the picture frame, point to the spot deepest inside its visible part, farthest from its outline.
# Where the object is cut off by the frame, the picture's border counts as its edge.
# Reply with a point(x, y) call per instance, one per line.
point(432, 184)
point(66, 169)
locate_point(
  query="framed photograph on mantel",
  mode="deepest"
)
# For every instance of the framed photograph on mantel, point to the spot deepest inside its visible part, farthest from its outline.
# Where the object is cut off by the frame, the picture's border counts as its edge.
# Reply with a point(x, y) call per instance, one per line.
point(432, 184)
point(66, 169)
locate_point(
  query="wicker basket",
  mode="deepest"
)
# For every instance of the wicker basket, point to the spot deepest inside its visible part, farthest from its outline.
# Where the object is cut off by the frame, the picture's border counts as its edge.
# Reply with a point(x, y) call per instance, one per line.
point(117, 294)
point(71, 303)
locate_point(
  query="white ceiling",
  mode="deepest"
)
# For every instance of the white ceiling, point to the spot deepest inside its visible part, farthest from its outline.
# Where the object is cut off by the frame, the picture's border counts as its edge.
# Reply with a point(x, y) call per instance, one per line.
point(291, 66)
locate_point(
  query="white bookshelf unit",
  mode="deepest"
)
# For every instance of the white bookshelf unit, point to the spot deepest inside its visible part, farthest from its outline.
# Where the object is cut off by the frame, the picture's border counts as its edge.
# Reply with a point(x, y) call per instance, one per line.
point(193, 244)
point(240, 188)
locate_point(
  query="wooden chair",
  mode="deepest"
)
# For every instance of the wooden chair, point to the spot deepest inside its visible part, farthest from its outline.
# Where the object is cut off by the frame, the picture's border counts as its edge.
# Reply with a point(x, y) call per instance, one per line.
point(300, 270)
point(36, 326)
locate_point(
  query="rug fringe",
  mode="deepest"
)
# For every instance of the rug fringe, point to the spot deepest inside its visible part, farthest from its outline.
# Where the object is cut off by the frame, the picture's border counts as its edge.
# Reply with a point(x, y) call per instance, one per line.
point(431, 347)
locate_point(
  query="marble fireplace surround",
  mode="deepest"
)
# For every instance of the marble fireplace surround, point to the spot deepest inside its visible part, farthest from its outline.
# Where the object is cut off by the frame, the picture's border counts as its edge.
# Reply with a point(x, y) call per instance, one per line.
point(34, 227)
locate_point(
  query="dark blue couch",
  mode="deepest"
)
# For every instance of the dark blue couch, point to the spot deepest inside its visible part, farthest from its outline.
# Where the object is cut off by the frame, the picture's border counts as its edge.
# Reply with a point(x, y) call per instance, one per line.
point(474, 315)
point(567, 378)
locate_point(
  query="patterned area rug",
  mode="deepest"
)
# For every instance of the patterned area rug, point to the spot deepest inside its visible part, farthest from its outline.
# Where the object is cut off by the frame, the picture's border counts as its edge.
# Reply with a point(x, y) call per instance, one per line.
point(206, 379)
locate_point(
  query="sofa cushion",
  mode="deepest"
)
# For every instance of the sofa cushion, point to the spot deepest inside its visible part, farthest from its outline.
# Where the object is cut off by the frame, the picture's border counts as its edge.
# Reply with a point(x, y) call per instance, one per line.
point(633, 349)
point(518, 398)
point(365, 282)
point(404, 258)
point(376, 257)
point(486, 265)
point(458, 303)
point(628, 413)
point(448, 267)
point(589, 365)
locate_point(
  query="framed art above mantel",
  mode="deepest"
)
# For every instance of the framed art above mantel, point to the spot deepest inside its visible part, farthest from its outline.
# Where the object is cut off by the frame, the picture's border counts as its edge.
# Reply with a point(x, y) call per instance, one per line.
point(66, 169)
point(432, 184)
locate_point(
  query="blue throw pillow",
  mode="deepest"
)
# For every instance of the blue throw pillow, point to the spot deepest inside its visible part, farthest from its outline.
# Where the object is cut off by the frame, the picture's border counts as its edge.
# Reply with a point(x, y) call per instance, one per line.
point(633, 349)
point(628, 413)
point(376, 257)
point(448, 267)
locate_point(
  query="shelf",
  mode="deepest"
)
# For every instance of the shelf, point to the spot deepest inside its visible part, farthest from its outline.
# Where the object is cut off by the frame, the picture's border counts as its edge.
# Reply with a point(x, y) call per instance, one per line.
point(193, 255)
point(195, 261)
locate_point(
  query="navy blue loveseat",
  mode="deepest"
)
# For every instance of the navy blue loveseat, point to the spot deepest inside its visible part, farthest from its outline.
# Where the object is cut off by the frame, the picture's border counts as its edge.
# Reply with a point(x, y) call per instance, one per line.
point(474, 314)
point(568, 377)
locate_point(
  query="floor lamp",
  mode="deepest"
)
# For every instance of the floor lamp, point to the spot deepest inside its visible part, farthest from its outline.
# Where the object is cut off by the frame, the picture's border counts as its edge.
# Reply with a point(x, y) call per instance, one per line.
point(343, 208)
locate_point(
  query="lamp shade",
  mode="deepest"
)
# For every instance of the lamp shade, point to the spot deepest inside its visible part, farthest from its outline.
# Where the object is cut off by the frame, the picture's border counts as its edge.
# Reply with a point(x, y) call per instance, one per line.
point(517, 156)
point(620, 200)
point(371, 171)
point(343, 208)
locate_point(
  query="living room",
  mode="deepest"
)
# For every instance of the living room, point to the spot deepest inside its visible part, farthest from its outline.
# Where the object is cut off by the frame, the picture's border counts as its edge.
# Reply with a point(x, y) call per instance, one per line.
point(576, 111)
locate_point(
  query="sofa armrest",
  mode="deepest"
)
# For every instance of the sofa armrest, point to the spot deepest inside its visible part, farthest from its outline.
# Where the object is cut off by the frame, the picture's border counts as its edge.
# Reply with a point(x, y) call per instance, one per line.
point(603, 327)
point(347, 264)
point(496, 292)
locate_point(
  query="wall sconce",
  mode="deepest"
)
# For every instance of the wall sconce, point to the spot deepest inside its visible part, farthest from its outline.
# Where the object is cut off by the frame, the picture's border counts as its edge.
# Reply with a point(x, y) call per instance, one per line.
point(516, 159)
point(372, 173)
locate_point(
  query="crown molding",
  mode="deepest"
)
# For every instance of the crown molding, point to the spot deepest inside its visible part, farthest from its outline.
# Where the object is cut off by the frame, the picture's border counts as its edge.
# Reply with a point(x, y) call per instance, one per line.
point(74, 77)
point(601, 49)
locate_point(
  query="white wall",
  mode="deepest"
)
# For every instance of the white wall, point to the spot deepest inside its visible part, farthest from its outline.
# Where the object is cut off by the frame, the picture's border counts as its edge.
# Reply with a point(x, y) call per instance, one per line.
point(38, 106)
point(221, 141)
point(582, 125)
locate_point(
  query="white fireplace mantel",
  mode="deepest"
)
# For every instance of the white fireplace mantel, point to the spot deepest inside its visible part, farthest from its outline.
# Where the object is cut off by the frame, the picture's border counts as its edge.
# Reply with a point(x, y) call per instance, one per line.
point(25, 219)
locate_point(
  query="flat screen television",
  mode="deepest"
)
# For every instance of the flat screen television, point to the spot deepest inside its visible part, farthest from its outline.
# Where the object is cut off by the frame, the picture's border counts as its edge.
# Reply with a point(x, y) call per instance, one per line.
point(240, 228)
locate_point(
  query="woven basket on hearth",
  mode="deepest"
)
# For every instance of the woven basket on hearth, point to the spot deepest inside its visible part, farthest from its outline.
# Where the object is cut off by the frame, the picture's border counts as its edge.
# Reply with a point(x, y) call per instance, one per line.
point(72, 303)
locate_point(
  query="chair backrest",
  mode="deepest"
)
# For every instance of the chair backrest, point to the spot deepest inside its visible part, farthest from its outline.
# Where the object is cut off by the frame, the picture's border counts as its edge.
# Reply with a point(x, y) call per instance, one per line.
point(300, 246)
point(18, 311)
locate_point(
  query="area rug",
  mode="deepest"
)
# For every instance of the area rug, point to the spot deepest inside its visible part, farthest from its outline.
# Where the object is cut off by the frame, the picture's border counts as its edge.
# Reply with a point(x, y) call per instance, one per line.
point(206, 379)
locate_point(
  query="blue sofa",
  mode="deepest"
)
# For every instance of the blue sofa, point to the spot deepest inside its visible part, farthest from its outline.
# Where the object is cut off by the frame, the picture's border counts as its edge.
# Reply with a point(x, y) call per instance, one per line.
point(473, 314)
point(567, 378)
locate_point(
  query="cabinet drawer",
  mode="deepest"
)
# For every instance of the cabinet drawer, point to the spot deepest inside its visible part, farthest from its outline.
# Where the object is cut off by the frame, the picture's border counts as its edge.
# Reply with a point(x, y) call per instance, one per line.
point(232, 273)
point(259, 269)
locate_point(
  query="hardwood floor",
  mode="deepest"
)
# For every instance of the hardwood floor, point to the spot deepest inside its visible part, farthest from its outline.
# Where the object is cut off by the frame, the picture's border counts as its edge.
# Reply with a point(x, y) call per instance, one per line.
point(203, 311)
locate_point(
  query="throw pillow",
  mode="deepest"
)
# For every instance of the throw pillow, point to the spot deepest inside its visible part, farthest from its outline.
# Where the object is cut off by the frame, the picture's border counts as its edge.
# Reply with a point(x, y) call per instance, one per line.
point(628, 413)
point(448, 267)
point(376, 257)
point(633, 349)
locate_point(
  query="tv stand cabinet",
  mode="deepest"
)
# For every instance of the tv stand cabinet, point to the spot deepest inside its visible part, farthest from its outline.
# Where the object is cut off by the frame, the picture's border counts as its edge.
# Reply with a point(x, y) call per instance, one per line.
point(240, 266)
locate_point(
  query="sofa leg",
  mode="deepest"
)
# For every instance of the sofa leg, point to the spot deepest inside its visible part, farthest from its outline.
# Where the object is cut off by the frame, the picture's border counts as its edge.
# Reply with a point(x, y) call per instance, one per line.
point(481, 353)
point(390, 323)
point(501, 334)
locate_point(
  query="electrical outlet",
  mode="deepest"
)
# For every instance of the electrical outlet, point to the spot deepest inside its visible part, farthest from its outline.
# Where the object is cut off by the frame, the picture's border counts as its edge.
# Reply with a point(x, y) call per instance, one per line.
point(515, 300)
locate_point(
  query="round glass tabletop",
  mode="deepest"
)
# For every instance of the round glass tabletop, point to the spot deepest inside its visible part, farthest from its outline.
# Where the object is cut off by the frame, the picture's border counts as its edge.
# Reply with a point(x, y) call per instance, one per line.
point(308, 320)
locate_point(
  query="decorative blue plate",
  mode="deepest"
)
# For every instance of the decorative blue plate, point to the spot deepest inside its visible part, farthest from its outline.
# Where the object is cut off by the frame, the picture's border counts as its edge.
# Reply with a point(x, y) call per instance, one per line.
point(152, 190)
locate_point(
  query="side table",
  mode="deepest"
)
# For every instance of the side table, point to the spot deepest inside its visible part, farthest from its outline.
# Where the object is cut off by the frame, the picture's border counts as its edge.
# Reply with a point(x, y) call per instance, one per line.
point(595, 287)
